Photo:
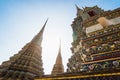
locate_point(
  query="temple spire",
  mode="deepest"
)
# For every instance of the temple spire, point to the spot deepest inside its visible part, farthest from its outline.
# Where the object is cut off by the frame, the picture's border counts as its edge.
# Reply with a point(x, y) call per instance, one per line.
point(38, 38)
point(59, 58)
point(58, 66)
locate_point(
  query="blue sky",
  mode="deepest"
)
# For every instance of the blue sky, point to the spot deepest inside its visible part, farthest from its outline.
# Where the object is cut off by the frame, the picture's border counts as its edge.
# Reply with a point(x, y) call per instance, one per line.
point(21, 20)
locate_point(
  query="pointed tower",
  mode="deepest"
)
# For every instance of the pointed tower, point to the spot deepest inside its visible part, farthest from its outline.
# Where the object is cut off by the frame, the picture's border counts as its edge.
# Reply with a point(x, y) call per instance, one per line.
point(38, 38)
point(79, 11)
point(27, 64)
point(58, 66)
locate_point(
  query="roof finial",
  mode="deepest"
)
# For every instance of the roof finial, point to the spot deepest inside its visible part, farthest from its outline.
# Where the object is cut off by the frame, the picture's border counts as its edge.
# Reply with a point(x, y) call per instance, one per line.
point(60, 47)
point(77, 7)
point(44, 25)
point(79, 11)
point(59, 58)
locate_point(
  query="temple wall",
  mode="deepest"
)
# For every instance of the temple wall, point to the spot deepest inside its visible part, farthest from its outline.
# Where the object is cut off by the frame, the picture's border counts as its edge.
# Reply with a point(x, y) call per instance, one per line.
point(99, 26)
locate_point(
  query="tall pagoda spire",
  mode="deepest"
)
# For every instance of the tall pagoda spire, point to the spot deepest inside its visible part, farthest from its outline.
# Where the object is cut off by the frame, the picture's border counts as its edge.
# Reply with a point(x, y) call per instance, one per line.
point(27, 63)
point(38, 38)
point(58, 66)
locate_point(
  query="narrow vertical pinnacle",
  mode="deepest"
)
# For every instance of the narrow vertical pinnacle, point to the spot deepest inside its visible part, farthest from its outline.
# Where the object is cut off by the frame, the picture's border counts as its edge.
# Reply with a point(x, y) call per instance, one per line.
point(38, 38)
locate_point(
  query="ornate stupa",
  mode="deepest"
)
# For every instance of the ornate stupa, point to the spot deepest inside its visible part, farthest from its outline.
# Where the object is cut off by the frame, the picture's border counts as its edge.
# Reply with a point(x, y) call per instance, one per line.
point(96, 43)
point(58, 67)
point(27, 63)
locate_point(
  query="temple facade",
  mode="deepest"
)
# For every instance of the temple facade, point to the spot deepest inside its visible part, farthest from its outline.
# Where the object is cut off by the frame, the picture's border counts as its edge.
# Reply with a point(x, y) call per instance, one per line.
point(27, 63)
point(96, 42)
